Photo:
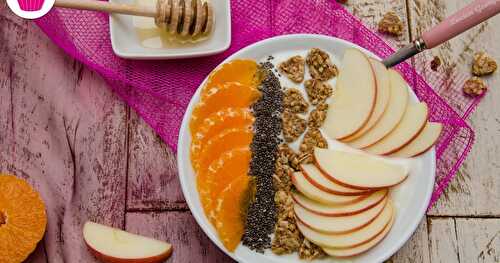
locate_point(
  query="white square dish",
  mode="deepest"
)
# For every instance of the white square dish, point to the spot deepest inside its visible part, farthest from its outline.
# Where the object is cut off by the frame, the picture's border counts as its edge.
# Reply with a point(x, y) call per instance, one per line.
point(127, 44)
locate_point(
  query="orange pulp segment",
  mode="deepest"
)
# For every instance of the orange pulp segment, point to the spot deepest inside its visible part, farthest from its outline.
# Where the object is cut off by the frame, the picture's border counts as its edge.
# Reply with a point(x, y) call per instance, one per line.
point(240, 70)
point(231, 94)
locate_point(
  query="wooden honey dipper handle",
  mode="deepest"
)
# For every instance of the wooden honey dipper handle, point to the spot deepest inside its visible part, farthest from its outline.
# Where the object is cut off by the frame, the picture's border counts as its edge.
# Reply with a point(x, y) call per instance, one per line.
point(108, 7)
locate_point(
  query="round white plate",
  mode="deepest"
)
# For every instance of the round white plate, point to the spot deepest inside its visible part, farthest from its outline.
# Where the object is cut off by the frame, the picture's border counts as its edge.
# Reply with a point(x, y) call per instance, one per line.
point(411, 198)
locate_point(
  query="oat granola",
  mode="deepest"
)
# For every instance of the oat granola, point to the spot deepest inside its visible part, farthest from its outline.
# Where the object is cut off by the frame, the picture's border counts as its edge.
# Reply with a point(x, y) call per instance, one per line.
point(287, 238)
point(293, 68)
point(294, 101)
point(312, 138)
point(317, 116)
point(391, 24)
point(310, 251)
point(320, 66)
point(318, 91)
point(293, 126)
point(483, 64)
point(475, 87)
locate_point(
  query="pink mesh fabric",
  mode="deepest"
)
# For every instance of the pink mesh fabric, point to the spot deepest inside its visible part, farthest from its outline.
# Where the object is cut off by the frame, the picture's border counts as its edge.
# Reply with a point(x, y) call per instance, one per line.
point(160, 90)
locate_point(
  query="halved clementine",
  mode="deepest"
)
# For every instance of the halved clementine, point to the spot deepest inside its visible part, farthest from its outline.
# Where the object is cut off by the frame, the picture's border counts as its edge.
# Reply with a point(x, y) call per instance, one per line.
point(243, 71)
point(22, 219)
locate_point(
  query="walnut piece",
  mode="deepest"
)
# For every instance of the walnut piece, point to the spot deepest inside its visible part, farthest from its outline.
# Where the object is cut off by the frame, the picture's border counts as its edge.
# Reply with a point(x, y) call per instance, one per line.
point(293, 126)
point(320, 66)
point(483, 64)
point(293, 68)
point(475, 87)
point(310, 251)
point(317, 116)
point(294, 101)
point(435, 63)
point(391, 24)
point(318, 91)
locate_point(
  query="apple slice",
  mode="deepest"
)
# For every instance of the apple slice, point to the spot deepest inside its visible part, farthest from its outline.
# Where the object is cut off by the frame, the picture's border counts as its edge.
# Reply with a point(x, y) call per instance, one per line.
point(114, 245)
point(424, 141)
point(354, 97)
point(353, 251)
point(360, 171)
point(409, 127)
point(350, 239)
point(340, 210)
point(315, 177)
point(396, 108)
point(383, 95)
point(338, 224)
point(314, 193)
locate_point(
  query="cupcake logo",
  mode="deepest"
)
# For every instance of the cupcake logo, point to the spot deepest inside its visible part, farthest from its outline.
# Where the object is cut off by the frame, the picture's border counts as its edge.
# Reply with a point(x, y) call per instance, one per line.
point(30, 9)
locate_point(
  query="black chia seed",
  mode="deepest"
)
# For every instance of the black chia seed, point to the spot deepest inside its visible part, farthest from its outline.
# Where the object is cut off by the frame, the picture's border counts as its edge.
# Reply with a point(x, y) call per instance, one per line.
point(261, 216)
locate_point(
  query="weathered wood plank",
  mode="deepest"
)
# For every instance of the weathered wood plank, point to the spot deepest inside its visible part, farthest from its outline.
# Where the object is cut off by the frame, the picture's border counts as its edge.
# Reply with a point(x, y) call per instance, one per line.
point(416, 249)
point(181, 230)
point(478, 239)
point(443, 241)
point(476, 189)
point(153, 181)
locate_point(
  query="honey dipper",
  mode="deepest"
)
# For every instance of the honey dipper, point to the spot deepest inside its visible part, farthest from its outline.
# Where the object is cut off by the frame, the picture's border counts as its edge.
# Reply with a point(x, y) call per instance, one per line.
point(187, 18)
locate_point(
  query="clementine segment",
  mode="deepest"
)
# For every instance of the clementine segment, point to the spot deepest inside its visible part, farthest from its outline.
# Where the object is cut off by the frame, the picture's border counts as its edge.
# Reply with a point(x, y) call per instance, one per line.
point(240, 70)
point(22, 219)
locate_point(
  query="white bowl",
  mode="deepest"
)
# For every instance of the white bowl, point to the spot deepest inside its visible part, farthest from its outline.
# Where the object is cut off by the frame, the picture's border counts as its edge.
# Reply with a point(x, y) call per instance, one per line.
point(411, 198)
point(126, 43)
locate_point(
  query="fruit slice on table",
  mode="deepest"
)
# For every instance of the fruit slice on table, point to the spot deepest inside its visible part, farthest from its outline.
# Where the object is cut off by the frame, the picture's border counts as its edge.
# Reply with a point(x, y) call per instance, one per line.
point(230, 214)
point(316, 194)
point(318, 179)
point(338, 224)
point(340, 210)
point(396, 108)
point(409, 127)
point(230, 94)
point(222, 171)
point(349, 252)
point(358, 170)
point(354, 97)
point(383, 95)
point(424, 141)
point(215, 123)
point(350, 239)
point(243, 71)
point(22, 219)
point(228, 139)
point(115, 245)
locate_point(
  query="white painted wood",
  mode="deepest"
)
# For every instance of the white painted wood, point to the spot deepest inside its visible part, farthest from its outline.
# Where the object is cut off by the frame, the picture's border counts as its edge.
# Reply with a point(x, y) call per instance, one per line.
point(443, 240)
point(478, 239)
point(416, 249)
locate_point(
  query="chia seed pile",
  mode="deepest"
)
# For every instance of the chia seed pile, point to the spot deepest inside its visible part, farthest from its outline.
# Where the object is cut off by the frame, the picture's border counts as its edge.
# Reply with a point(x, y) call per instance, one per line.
point(261, 217)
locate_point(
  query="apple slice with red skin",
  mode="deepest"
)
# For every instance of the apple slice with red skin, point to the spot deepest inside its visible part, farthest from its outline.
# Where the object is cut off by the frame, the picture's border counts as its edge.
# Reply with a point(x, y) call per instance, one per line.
point(340, 210)
point(112, 245)
point(423, 142)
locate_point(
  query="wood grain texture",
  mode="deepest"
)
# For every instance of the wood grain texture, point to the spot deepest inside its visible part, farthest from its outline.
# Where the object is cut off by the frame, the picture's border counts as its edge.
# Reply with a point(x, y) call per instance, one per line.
point(476, 189)
point(443, 241)
point(478, 239)
point(416, 249)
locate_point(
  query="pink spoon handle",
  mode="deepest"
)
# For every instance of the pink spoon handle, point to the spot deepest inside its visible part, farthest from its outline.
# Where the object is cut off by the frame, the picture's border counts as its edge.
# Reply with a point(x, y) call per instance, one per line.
point(469, 16)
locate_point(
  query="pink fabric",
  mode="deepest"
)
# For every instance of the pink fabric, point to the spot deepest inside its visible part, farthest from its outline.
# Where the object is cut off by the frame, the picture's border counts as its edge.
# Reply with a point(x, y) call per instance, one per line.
point(160, 90)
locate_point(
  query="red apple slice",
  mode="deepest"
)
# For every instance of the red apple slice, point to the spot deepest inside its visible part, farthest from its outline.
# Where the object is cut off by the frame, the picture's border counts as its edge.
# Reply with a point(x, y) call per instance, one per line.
point(349, 252)
point(409, 127)
point(314, 193)
point(338, 224)
point(396, 108)
point(340, 210)
point(114, 245)
point(358, 170)
point(350, 239)
point(315, 177)
point(354, 97)
point(383, 95)
point(424, 141)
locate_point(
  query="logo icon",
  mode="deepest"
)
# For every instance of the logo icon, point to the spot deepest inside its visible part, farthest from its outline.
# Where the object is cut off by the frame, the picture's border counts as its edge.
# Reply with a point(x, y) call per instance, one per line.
point(30, 9)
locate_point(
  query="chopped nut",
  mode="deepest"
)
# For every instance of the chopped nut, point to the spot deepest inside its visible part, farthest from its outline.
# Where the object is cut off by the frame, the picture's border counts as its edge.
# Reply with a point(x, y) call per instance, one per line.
point(293, 68)
point(293, 126)
point(475, 87)
point(318, 91)
point(483, 64)
point(310, 251)
point(313, 138)
point(294, 101)
point(391, 24)
point(435, 63)
point(317, 116)
point(320, 66)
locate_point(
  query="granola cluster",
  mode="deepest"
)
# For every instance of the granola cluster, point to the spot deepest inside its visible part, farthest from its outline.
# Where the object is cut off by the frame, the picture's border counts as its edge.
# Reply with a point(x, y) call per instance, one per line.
point(293, 68)
point(317, 91)
point(293, 101)
point(474, 87)
point(483, 64)
point(310, 251)
point(317, 116)
point(313, 138)
point(293, 126)
point(320, 66)
point(391, 24)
